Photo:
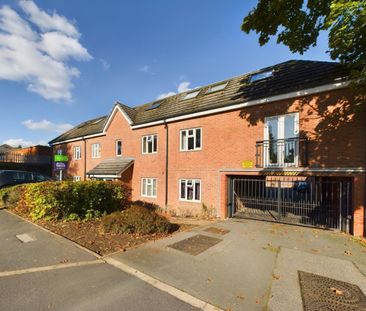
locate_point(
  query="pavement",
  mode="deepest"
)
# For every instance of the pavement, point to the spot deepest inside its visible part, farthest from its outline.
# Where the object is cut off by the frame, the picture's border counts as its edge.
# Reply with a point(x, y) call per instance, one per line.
point(254, 266)
point(231, 265)
point(52, 273)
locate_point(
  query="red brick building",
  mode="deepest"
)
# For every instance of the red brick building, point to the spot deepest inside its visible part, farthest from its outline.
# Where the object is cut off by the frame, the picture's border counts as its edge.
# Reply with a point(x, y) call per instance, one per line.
point(285, 143)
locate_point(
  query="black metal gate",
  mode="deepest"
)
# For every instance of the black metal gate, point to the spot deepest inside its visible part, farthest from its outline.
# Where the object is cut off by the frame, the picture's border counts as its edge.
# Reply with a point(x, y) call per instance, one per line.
point(308, 201)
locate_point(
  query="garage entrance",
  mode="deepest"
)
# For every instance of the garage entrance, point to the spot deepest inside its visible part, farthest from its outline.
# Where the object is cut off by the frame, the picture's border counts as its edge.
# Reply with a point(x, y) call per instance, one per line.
point(309, 201)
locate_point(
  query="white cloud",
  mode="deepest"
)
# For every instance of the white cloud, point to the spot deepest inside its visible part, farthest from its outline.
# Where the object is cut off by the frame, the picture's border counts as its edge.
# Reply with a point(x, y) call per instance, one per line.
point(182, 87)
point(15, 142)
point(46, 125)
point(105, 64)
point(39, 58)
point(145, 68)
point(47, 21)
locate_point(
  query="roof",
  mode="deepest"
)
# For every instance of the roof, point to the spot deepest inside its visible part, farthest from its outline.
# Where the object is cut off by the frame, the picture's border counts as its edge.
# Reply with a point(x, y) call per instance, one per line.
point(290, 76)
point(86, 128)
point(111, 167)
point(6, 148)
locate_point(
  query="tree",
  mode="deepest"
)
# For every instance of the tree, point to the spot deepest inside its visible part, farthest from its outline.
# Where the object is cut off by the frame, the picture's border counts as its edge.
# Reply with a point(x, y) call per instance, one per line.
point(297, 24)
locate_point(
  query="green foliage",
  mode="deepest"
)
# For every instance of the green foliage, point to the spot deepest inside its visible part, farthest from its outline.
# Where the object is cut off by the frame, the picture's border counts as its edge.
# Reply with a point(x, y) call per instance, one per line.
point(74, 200)
point(297, 24)
point(10, 196)
point(136, 219)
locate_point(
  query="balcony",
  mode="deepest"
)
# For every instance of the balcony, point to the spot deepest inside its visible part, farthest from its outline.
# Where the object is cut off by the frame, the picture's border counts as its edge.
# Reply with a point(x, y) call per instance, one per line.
point(281, 153)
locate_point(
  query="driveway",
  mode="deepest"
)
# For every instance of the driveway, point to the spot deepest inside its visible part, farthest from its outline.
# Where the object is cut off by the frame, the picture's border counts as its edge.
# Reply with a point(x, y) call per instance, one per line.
point(49, 272)
point(249, 265)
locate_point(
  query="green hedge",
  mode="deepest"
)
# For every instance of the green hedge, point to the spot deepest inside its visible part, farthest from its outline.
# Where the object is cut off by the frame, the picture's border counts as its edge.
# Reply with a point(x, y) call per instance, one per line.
point(73, 200)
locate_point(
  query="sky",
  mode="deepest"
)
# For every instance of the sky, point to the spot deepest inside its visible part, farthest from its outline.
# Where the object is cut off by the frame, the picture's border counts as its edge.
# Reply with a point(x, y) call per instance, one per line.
point(64, 62)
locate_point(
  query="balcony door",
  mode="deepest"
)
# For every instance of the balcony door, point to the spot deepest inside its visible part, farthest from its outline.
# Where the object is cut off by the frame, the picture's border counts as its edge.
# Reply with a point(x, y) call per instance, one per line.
point(281, 134)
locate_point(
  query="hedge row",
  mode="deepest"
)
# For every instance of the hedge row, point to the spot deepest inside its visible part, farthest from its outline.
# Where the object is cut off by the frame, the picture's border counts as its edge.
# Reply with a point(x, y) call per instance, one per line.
point(68, 200)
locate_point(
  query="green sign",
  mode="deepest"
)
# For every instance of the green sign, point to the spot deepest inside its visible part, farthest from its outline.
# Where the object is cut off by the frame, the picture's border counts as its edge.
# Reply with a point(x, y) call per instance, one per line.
point(61, 158)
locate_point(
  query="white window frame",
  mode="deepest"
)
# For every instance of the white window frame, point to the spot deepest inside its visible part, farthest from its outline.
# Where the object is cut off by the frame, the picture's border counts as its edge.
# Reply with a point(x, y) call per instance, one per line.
point(281, 134)
point(190, 136)
point(96, 151)
point(193, 181)
point(149, 181)
point(77, 153)
point(76, 178)
point(148, 139)
point(116, 145)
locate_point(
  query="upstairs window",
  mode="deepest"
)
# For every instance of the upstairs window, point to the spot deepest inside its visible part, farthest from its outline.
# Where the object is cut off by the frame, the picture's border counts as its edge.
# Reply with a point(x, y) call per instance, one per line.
point(260, 76)
point(96, 150)
point(118, 148)
point(149, 144)
point(217, 87)
point(77, 153)
point(191, 139)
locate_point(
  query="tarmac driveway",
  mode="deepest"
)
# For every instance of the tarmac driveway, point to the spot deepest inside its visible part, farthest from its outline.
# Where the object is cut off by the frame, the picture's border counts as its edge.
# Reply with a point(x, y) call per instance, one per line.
point(249, 265)
point(52, 273)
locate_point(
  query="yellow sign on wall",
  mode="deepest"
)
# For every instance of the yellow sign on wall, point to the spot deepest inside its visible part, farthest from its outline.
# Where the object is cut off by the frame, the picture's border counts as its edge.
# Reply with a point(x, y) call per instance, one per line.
point(247, 164)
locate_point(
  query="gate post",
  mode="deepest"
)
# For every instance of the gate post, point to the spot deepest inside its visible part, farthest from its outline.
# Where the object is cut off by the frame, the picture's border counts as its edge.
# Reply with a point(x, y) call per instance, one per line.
point(279, 201)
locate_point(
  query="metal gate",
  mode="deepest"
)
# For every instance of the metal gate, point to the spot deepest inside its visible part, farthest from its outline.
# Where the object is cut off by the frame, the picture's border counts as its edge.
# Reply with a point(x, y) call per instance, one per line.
point(309, 202)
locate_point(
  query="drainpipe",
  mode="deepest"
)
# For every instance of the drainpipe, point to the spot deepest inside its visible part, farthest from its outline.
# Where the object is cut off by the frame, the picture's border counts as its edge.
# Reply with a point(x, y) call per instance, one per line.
point(84, 158)
point(166, 160)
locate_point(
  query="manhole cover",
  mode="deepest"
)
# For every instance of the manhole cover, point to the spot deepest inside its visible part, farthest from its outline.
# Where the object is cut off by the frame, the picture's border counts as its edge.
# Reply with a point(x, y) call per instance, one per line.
point(320, 293)
point(217, 230)
point(196, 244)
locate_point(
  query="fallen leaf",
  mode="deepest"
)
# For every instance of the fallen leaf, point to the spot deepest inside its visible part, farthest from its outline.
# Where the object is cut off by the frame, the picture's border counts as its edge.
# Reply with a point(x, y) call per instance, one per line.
point(240, 297)
point(349, 253)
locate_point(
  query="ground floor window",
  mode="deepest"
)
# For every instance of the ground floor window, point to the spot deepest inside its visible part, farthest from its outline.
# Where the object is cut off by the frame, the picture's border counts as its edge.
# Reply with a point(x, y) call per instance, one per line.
point(148, 187)
point(190, 190)
point(76, 178)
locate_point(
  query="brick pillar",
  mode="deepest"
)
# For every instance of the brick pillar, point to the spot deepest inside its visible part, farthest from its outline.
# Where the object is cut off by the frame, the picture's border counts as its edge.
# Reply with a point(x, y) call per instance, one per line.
point(359, 205)
point(223, 196)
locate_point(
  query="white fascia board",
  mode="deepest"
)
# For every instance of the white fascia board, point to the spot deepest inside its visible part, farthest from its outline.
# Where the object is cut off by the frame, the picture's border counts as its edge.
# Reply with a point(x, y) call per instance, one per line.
point(315, 90)
point(298, 169)
point(76, 139)
point(103, 176)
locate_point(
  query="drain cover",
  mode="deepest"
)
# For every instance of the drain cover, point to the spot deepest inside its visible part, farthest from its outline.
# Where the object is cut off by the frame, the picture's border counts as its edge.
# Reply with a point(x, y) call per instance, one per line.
point(25, 238)
point(217, 230)
point(321, 293)
point(196, 244)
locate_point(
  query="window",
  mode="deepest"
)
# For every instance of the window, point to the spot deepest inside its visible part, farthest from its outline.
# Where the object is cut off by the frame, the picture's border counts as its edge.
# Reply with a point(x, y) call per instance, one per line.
point(190, 190)
point(76, 178)
point(191, 139)
point(118, 148)
point(77, 153)
point(150, 144)
point(154, 105)
point(217, 87)
point(96, 150)
point(260, 76)
point(191, 95)
point(148, 187)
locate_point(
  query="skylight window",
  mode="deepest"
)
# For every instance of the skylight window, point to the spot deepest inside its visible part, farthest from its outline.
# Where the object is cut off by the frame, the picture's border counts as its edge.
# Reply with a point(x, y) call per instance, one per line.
point(261, 76)
point(191, 94)
point(98, 120)
point(154, 106)
point(217, 87)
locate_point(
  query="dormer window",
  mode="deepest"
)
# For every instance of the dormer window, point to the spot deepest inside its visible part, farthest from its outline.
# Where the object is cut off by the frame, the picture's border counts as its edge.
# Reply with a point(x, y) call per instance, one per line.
point(217, 87)
point(260, 76)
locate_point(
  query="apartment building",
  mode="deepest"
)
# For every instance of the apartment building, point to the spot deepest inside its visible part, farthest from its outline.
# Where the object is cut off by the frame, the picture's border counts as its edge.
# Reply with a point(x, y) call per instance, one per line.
point(285, 143)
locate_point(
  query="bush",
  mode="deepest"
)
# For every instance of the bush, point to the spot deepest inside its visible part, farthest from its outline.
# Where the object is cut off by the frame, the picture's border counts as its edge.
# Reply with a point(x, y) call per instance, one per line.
point(74, 200)
point(136, 219)
point(10, 196)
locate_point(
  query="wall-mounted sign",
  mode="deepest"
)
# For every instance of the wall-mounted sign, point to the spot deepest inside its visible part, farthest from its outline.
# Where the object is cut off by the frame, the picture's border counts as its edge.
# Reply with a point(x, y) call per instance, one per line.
point(59, 166)
point(61, 158)
point(247, 164)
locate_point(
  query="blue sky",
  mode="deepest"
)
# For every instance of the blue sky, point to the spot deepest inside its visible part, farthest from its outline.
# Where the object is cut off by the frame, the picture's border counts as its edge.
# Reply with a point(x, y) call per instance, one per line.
point(63, 62)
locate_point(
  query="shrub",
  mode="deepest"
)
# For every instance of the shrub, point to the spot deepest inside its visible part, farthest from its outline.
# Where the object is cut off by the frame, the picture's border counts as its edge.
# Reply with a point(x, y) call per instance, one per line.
point(74, 200)
point(136, 219)
point(10, 196)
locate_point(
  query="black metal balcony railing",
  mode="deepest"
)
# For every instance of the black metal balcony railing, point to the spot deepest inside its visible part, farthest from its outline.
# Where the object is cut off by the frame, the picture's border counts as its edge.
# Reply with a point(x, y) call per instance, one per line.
point(289, 152)
point(13, 157)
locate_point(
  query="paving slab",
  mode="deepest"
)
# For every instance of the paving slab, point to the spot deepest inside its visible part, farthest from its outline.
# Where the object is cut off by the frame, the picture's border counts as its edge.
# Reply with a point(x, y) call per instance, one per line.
point(86, 288)
point(41, 249)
